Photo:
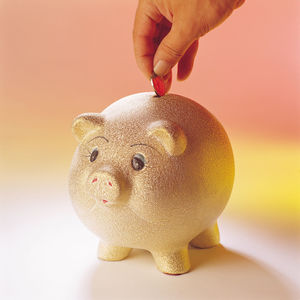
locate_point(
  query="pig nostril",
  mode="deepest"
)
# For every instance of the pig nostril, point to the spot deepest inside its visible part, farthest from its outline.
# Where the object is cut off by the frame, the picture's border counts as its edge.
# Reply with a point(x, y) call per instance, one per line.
point(110, 183)
point(94, 180)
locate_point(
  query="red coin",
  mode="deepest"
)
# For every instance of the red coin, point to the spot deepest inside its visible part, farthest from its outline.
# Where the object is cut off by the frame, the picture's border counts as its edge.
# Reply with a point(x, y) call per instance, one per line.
point(158, 85)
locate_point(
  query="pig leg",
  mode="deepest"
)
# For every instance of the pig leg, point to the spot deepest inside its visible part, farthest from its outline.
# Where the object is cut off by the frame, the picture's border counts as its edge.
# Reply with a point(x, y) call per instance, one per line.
point(208, 238)
point(172, 262)
point(108, 252)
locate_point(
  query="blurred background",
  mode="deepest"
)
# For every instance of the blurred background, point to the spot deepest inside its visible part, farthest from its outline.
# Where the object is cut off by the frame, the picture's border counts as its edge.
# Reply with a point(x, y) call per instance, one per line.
point(62, 58)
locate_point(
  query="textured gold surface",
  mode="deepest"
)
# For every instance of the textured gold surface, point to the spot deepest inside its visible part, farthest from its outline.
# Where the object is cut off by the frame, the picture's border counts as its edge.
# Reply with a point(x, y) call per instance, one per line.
point(210, 237)
point(112, 253)
point(172, 261)
point(170, 135)
point(181, 191)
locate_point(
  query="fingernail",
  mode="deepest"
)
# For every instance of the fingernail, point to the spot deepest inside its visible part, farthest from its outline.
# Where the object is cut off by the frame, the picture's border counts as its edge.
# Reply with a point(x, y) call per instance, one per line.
point(161, 68)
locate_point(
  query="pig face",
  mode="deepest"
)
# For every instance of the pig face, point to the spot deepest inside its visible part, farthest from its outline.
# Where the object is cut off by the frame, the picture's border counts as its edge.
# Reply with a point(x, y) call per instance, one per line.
point(152, 167)
point(124, 163)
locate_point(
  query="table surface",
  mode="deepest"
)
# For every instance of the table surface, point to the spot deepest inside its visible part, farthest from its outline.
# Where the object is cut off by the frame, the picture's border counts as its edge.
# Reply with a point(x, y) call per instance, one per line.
point(48, 254)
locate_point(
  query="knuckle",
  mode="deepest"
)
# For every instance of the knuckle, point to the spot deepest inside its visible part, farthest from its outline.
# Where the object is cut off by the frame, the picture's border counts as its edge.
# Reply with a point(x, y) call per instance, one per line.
point(203, 28)
point(189, 32)
point(171, 51)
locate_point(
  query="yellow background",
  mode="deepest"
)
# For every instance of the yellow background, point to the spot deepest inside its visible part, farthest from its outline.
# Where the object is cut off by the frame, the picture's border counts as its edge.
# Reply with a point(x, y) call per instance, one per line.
point(63, 58)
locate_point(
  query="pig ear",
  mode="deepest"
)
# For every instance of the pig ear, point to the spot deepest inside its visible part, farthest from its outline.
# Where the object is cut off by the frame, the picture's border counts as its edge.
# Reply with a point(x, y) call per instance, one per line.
point(170, 135)
point(85, 123)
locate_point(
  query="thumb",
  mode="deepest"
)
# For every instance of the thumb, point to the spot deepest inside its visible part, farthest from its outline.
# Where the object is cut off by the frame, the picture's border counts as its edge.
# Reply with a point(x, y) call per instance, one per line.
point(171, 49)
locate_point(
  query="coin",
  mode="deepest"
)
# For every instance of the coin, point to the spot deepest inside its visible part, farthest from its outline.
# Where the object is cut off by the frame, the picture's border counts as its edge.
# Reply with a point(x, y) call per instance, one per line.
point(158, 85)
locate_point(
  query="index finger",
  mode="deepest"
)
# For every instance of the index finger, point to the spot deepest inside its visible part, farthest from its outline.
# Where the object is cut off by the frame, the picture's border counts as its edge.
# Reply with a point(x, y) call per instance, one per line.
point(144, 31)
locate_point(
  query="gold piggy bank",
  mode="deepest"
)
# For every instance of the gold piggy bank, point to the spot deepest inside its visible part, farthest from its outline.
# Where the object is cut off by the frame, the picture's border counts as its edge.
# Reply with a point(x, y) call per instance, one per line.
point(152, 173)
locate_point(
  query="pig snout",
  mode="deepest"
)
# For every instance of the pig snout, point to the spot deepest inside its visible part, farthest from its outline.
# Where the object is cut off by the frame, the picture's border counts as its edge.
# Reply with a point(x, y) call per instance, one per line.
point(106, 186)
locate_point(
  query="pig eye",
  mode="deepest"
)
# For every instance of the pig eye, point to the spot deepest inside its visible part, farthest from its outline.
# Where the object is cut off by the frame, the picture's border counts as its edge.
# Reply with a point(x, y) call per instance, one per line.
point(138, 162)
point(94, 155)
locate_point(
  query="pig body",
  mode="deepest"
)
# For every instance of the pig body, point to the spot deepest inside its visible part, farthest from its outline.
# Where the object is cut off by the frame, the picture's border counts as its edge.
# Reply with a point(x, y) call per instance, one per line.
point(151, 173)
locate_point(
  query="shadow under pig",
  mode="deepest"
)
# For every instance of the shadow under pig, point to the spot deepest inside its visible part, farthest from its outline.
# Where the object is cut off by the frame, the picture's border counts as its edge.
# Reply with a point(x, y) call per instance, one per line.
point(217, 273)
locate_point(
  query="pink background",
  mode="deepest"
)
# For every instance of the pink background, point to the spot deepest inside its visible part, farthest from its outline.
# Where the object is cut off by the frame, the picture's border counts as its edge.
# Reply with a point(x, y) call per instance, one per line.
point(62, 58)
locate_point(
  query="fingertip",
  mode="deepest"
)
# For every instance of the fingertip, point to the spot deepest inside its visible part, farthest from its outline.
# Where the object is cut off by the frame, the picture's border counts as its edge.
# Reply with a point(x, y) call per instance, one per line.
point(162, 68)
point(185, 65)
point(183, 72)
point(170, 50)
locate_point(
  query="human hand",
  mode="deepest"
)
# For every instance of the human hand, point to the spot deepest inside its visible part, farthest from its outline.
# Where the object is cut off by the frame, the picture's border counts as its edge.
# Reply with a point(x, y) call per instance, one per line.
point(166, 32)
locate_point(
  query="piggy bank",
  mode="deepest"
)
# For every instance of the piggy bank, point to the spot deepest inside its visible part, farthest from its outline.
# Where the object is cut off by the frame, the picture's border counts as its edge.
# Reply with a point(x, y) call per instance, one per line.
point(152, 173)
